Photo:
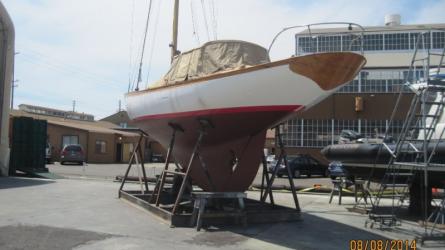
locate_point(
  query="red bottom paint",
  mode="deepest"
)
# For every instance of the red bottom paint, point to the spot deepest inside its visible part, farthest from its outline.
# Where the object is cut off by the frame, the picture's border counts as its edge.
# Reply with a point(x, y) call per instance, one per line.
point(237, 136)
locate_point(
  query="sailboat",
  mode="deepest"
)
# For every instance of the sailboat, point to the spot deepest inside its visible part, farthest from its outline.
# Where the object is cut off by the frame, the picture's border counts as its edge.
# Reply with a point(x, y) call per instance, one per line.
point(235, 87)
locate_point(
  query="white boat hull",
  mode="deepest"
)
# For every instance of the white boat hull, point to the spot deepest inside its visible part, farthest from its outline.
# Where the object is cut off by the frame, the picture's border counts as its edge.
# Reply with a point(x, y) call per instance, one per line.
point(241, 105)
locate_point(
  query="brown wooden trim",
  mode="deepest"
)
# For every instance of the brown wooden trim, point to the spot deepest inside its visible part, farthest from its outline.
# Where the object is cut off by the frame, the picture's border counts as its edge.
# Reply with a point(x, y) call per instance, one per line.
point(312, 60)
point(329, 70)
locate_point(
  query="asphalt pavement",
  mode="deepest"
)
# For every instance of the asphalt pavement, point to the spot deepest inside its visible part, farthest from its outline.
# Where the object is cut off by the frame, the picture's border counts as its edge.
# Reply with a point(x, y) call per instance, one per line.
point(110, 171)
point(87, 214)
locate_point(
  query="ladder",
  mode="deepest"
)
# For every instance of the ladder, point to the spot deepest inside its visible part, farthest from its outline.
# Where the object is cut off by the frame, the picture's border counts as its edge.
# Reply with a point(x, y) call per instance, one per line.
point(414, 149)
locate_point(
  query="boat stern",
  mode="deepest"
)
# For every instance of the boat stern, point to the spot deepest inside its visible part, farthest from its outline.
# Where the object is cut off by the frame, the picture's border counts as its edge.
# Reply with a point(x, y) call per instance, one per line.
point(329, 70)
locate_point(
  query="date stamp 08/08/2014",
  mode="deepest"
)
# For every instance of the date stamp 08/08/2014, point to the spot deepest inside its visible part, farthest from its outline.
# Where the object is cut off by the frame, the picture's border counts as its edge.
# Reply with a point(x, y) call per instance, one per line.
point(382, 245)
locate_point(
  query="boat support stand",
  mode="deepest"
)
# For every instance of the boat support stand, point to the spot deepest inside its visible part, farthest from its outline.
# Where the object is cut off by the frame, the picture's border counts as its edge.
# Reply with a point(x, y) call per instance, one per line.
point(138, 157)
point(159, 188)
point(270, 179)
point(180, 212)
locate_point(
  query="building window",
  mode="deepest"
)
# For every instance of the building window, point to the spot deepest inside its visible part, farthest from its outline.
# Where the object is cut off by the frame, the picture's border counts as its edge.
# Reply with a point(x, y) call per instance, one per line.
point(351, 43)
point(306, 44)
point(315, 133)
point(397, 41)
point(329, 43)
point(417, 75)
point(378, 81)
point(351, 87)
point(123, 125)
point(424, 42)
point(292, 131)
point(373, 42)
point(69, 139)
point(101, 147)
point(438, 40)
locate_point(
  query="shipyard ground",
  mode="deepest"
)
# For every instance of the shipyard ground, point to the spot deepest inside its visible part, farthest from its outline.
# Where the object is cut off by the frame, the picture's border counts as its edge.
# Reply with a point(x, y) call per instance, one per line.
point(110, 171)
point(86, 214)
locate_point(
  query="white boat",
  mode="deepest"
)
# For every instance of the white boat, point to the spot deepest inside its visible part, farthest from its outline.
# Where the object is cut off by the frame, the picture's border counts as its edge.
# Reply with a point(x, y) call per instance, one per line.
point(234, 86)
point(241, 104)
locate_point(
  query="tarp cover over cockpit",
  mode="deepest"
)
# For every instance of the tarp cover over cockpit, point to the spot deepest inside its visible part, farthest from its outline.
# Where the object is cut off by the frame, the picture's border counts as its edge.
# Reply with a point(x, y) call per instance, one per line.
point(213, 57)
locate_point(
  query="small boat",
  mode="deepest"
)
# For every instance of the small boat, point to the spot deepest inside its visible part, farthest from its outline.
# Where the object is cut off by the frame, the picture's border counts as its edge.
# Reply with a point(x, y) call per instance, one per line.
point(362, 159)
point(375, 153)
point(233, 85)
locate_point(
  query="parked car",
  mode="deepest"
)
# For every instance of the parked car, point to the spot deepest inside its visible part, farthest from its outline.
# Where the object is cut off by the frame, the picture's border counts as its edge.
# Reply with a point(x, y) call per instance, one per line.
point(157, 158)
point(72, 153)
point(48, 152)
point(349, 136)
point(301, 165)
point(270, 159)
point(336, 169)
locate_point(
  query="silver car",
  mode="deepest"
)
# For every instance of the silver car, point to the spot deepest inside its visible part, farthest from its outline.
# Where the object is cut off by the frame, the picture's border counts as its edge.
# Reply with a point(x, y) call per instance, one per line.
point(72, 153)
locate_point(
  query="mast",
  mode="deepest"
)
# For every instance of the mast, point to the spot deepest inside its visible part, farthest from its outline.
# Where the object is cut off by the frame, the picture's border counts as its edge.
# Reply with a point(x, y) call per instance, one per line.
point(174, 44)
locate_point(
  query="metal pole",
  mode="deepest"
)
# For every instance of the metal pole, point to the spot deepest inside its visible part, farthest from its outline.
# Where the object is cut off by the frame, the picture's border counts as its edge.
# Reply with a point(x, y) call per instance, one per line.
point(174, 44)
point(187, 173)
point(158, 189)
point(144, 174)
point(12, 92)
point(265, 178)
point(289, 173)
point(13, 81)
point(130, 163)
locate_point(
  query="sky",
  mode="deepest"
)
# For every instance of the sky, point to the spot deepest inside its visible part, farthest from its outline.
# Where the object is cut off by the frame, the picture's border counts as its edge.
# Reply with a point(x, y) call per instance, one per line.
point(88, 51)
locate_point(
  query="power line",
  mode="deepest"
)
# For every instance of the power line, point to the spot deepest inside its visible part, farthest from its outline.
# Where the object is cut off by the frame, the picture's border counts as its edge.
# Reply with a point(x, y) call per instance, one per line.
point(37, 56)
point(59, 68)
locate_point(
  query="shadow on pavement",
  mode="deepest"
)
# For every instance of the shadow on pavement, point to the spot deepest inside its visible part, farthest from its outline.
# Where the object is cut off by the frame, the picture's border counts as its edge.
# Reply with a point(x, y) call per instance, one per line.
point(312, 232)
point(16, 182)
point(45, 238)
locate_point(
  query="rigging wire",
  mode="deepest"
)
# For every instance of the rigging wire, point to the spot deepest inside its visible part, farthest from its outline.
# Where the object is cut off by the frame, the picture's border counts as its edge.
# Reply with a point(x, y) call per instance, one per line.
point(214, 19)
point(143, 46)
point(153, 41)
point(130, 65)
point(194, 24)
point(205, 19)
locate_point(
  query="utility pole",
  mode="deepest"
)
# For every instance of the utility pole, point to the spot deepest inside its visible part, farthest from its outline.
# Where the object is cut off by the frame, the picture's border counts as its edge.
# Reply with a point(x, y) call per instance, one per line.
point(13, 86)
point(120, 106)
point(74, 106)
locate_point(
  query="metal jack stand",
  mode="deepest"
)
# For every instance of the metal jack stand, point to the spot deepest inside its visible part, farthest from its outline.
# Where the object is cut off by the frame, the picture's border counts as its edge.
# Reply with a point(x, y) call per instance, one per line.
point(437, 217)
point(161, 181)
point(134, 156)
point(269, 180)
point(205, 124)
point(181, 209)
